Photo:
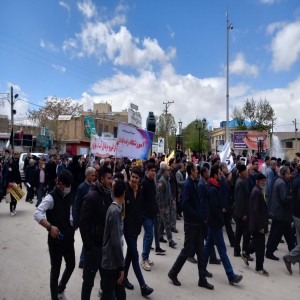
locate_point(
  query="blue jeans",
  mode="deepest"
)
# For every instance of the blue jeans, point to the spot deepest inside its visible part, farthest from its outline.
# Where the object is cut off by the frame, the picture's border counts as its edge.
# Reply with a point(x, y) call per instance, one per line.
point(132, 256)
point(148, 237)
point(215, 237)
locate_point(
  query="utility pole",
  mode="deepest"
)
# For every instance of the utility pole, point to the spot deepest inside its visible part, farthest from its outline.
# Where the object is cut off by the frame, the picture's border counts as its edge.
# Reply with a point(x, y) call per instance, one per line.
point(13, 99)
point(296, 138)
point(167, 104)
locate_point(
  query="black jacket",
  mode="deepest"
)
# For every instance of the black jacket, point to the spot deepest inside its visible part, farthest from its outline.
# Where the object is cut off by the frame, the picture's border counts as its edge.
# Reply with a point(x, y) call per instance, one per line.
point(192, 210)
point(29, 174)
point(241, 198)
point(92, 216)
point(215, 207)
point(150, 208)
point(258, 213)
point(296, 196)
point(133, 211)
point(281, 205)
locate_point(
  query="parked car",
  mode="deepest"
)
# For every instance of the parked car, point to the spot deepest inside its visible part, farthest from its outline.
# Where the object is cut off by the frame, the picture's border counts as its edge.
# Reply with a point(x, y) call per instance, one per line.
point(35, 156)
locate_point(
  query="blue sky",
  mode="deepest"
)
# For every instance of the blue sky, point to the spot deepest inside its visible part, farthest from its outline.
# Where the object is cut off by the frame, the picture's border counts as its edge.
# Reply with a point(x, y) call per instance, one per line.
point(149, 52)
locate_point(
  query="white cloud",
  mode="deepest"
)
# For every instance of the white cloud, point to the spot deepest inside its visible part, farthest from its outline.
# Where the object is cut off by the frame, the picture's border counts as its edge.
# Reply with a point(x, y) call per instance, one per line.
point(48, 45)
point(171, 32)
point(87, 8)
point(59, 68)
point(65, 5)
point(240, 67)
point(285, 47)
point(275, 26)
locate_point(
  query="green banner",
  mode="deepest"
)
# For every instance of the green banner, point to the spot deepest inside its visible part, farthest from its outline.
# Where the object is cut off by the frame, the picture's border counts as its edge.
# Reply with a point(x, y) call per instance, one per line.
point(89, 126)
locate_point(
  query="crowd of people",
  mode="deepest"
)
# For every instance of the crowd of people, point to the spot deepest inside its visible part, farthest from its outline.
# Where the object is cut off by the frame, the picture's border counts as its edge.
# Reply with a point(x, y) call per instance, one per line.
point(110, 200)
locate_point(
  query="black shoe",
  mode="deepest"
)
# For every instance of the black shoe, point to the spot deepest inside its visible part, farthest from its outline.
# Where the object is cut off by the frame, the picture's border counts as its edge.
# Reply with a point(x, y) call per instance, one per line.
point(281, 241)
point(162, 240)
point(288, 264)
point(272, 256)
point(192, 260)
point(151, 248)
point(80, 266)
point(215, 261)
point(178, 218)
point(159, 251)
point(128, 285)
point(146, 290)
point(174, 279)
point(237, 254)
point(250, 258)
point(174, 230)
point(205, 284)
point(172, 244)
point(208, 274)
point(235, 279)
point(245, 258)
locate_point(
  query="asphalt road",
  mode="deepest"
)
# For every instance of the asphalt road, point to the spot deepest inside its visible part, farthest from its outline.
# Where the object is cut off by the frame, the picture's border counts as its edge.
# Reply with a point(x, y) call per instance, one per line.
point(25, 267)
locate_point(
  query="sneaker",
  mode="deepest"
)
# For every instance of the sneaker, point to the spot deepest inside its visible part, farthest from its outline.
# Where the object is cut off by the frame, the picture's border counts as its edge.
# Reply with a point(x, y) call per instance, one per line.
point(145, 265)
point(174, 278)
point(146, 290)
point(159, 251)
point(245, 258)
point(262, 272)
point(150, 262)
point(288, 264)
point(12, 213)
point(235, 279)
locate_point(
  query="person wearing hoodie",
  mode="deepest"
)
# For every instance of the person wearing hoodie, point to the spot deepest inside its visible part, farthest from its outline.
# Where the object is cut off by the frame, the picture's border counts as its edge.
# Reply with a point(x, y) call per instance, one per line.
point(91, 225)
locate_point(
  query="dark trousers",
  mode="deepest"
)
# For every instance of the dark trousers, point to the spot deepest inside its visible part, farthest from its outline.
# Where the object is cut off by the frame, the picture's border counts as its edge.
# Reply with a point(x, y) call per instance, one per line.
point(258, 246)
point(228, 227)
point(193, 241)
point(57, 251)
point(13, 203)
point(132, 256)
point(242, 230)
point(111, 286)
point(156, 231)
point(279, 229)
point(40, 193)
point(30, 193)
point(92, 264)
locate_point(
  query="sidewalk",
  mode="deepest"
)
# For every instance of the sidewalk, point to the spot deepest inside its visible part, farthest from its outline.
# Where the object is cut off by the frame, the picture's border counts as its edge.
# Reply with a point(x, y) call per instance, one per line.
point(25, 266)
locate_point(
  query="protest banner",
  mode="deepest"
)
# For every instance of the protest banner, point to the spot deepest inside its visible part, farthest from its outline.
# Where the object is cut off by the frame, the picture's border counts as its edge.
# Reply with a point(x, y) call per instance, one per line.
point(103, 147)
point(133, 142)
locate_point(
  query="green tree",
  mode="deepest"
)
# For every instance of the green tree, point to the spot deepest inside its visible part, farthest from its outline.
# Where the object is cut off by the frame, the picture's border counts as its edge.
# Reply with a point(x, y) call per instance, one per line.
point(259, 113)
point(191, 137)
point(165, 124)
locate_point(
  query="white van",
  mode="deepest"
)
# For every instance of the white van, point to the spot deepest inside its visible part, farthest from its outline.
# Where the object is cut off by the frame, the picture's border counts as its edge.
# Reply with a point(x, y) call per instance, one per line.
point(34, 156)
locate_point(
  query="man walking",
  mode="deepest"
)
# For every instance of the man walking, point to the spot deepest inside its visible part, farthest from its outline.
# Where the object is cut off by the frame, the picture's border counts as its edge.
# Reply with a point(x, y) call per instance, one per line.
point(112, 251)
point(193, 230)
point(91, 225)
point(57, 206)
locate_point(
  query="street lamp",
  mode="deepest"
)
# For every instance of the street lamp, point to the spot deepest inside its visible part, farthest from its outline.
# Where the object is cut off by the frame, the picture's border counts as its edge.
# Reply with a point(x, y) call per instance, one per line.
point(174, 129)
point(201, 127)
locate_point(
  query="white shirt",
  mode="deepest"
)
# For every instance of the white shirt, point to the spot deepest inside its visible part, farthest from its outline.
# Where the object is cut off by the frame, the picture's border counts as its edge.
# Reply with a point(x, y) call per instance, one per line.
point(47, 203)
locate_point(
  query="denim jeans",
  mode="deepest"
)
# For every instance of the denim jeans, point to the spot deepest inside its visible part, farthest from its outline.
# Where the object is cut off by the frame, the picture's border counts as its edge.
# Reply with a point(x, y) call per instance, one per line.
point(215, 237)
point(57, 251)
point(148, 236)
point(132, 256)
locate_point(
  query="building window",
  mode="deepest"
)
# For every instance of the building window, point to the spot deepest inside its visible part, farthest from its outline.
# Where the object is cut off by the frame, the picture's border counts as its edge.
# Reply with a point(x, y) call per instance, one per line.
point(288, 145)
